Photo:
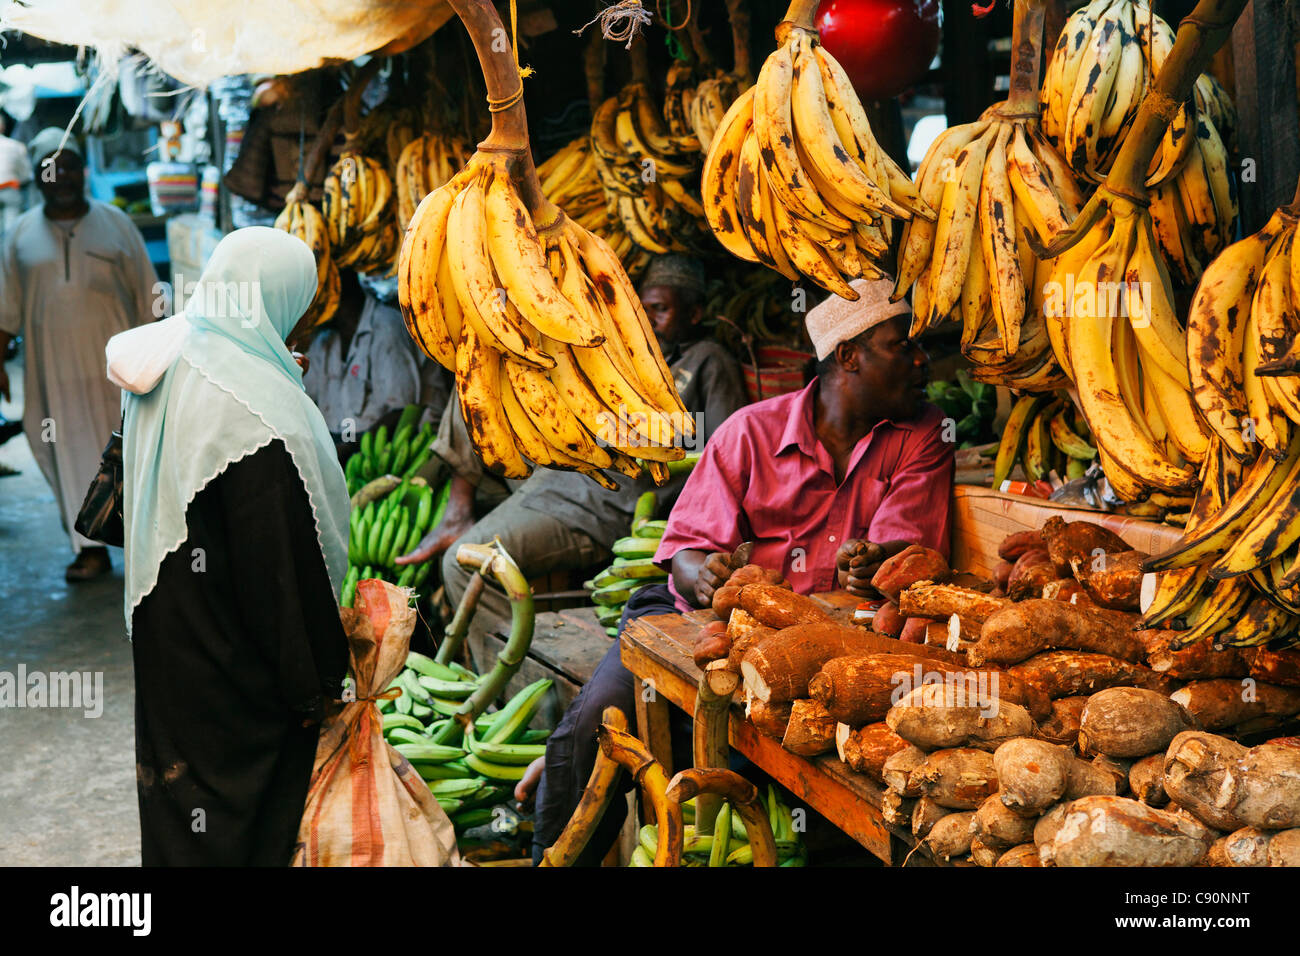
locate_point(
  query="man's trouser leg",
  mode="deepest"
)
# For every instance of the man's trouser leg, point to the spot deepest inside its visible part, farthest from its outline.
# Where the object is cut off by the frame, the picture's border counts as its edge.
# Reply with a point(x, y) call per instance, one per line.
point(537, 542)
point(571, 750)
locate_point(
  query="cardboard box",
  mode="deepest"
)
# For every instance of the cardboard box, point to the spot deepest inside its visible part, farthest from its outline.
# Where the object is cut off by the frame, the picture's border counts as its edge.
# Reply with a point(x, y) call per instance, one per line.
point(982, 517)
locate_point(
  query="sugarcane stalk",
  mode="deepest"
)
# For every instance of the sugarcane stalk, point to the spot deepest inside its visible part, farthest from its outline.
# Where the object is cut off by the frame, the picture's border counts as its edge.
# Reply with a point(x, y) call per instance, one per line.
point(595, 800)
point(495, 560)
point(737, 791)
point(1026, 56)
point(1200, 34)
point(632, 755)
point(712, 711)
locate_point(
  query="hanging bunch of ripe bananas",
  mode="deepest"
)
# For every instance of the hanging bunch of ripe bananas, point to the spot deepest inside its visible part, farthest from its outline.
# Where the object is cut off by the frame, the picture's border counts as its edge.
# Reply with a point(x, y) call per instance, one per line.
point(358, 203)
point(991, 181)
point(300, 218)
point(542, 327)
point(425, 163)
point(358, 207)
point(1110, 314)
point(647, 171)
point(709, 103)
point(1233, 576)
point(1109, 310)
point(1103, 65)
point(795, 179)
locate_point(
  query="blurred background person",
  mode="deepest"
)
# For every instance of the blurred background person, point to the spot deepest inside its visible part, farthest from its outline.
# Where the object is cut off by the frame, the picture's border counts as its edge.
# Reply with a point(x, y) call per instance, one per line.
point(74, 272)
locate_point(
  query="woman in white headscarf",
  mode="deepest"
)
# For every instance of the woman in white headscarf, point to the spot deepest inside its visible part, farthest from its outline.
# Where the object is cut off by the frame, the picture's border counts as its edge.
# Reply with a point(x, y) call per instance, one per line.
point(236, 517)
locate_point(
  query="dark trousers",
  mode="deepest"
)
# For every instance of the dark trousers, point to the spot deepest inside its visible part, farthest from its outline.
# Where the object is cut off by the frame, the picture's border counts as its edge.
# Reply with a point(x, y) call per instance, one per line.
point(571, 750)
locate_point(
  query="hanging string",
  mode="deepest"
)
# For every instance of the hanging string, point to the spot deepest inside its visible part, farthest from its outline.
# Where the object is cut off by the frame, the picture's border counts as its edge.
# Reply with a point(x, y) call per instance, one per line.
point(503, 104)
point(675, 49)
point(622, 21)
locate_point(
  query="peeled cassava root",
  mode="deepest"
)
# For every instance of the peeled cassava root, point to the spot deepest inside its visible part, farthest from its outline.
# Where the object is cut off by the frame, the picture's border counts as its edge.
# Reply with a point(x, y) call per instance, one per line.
point(1130, 722)
point(945, 600)
point(1117, 831)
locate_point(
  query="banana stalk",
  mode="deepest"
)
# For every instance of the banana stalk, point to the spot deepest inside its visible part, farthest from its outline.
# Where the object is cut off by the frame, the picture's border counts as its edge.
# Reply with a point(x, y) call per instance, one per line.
point(495, 560)
point(595, 801)
point(712, 709)
point(739, 793)
point(632, 755)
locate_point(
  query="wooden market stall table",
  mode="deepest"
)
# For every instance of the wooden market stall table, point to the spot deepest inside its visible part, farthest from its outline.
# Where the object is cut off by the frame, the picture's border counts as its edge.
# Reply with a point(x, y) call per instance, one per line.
point(658, 650)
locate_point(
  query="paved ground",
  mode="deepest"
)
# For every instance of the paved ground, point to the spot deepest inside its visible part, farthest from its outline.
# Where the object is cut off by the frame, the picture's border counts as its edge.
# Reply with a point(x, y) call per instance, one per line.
point(67, 781)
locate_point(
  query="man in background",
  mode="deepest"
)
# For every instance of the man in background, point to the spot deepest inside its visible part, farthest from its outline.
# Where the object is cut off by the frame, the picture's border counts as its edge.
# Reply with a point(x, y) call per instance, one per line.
point(561, 520)
point(73, 273)
point(363, 368)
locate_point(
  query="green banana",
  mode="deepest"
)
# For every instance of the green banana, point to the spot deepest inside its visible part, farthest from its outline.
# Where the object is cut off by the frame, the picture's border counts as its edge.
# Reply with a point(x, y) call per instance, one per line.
point(615, 594)
point(652, 529)
point(373, 540)
point(512, 754)
point(463, 671)
point(645, 509)
point(428, 667)
point(721, 832)
point(742, 855)
point(367, 448)
point(381, 448)
point(603, 579)
point(459, 789)
point(609, 616)
point(411, 685)
point(421, 575)
point(451, 770)
point(410, 415)
point(637, 568)
point(406, 577)
point(648, 837)
point(420, 710)
point(449, 804)
point(394, 721)
point(401, 454)
point(514, 717)
point(429, 752)
point(403, 703)
point(399, 538)
point(641, 858)
point(495, 771)
point(533, 736)
point(1013, 437)
point(468, 819)
point(405, 735)
point(636, 547)
point(1065, 438)
point(447, 689)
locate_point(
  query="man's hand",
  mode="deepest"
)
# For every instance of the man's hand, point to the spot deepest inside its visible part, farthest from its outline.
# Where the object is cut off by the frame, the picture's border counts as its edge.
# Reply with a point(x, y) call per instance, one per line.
point(713, 574)
point(856, 563)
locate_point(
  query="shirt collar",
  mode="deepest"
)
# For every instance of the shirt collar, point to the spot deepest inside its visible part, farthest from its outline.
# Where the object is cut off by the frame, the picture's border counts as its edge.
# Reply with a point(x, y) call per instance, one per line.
point(799, 431)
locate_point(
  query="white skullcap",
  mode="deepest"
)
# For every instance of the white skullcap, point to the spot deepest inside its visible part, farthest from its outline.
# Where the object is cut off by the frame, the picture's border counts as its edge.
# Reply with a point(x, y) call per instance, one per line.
point(838, 319)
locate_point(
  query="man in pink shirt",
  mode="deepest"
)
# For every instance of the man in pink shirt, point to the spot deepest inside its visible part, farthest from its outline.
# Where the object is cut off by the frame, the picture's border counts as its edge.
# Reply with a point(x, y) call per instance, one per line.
point(827, 482)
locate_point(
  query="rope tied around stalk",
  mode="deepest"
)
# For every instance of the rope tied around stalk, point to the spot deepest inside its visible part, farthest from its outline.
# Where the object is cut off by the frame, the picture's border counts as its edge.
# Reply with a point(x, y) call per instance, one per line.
point(504, 103)
point(621, 21)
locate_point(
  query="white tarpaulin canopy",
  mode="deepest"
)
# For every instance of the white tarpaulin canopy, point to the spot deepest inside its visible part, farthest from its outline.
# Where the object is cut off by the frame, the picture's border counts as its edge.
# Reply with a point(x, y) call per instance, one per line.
point(198, 41)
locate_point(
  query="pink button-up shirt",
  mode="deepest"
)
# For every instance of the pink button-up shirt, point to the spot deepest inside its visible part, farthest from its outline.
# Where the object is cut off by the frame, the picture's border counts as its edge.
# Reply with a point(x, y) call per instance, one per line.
point(764, 477)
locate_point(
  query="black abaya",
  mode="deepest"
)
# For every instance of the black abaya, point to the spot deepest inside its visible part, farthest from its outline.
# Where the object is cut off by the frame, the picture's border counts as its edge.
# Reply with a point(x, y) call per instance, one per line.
point(238, 650)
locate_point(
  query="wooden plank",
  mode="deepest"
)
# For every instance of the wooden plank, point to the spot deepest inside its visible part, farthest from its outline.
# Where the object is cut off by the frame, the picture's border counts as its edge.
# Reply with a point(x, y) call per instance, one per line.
point(654, 649)
point(1268, 125)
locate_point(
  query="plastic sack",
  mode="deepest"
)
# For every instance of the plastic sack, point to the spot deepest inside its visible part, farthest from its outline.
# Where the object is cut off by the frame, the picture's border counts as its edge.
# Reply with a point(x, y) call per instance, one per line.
point(366, 805)
point(138, 358)
point(1092, 490)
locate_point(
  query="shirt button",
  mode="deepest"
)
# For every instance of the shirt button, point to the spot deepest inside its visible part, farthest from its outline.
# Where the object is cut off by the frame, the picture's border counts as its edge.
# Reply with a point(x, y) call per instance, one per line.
point(832, 539)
